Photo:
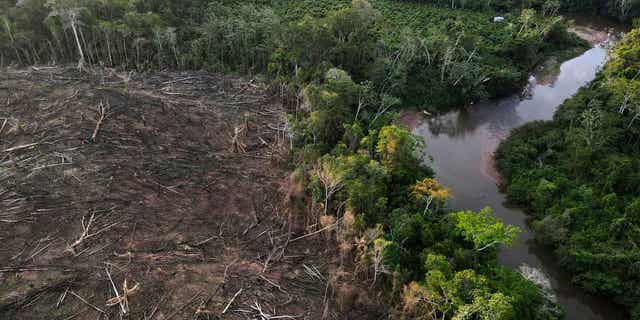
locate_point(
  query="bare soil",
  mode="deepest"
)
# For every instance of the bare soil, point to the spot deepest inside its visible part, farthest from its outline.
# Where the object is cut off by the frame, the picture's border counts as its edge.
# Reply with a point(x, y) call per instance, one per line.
point(590, 34)
point(150, 191)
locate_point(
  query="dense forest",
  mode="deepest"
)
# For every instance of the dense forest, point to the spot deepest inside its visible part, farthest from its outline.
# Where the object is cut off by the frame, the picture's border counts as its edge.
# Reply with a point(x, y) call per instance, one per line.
point(579, 175)
point(419, 53)
point(346, 66)
point(363, 172)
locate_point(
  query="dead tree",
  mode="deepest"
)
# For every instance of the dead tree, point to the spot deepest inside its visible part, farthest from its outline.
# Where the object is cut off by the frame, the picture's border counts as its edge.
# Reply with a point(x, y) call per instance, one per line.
point(237, 146)
point(331, 181)
point(69, 13)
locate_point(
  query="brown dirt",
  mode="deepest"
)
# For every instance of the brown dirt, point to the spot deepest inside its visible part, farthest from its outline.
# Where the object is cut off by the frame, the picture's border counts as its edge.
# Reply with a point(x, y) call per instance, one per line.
point(411, 118)
point(174, 210)
point(589, 34)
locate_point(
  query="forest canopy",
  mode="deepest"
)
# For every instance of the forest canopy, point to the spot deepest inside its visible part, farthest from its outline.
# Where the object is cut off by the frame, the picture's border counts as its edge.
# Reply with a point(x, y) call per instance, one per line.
point(417, 52)
point(579, 176)
point(343, 67)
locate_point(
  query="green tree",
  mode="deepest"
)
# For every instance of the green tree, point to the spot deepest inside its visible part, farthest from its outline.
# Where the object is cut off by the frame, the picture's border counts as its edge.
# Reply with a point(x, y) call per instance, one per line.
point(397, 150)
point(237, 37)
point(427, 191)
point(483, 229)
point(487, 307)
point(331, 105)
point(365, 188)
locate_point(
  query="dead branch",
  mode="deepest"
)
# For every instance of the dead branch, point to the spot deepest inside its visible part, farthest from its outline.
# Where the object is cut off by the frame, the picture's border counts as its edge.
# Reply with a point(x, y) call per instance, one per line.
point(231, 301)
point(42, 68)
point(274, 284)
point(115, 290)
point(247, 86)
point(237, 146)
point(75, 93)
point(183, 306)
point(266, 316)
point(314, 272)
point(155, 308)
point(123, 300)
point(37, 250)
point(87, 302)
point(179, 80)
point(316, 232)
point(266, 262)
point(250, 102)
point(3, 125)
point(85, 233)
point(175, 94)
point(168, 188)
point(24, 146)
point(204, 241)
point(62, 296)
point(226, 269)
point(101, 115)
point(33, 269)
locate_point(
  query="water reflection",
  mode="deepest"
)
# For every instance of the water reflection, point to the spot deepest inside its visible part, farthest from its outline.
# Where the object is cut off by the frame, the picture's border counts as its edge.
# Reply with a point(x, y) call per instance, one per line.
point(460, 147)
point(538, 102)
point(500, 116)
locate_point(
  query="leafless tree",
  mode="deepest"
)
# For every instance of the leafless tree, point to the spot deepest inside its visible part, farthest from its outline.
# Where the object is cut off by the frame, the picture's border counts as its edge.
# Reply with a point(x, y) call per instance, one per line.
point(69, 13)
point(330, 178)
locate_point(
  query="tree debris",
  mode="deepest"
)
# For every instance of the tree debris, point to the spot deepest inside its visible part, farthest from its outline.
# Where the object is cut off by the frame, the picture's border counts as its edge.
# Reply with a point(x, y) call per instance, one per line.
point(74, 207)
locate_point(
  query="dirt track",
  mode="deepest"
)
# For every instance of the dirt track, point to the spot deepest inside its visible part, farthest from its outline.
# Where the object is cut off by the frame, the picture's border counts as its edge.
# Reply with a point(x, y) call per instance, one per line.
point(157, 199)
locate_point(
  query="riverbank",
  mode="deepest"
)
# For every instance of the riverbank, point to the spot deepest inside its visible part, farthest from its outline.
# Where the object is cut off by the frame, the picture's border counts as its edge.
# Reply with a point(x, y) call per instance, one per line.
point(580, 189)
point(461, 144)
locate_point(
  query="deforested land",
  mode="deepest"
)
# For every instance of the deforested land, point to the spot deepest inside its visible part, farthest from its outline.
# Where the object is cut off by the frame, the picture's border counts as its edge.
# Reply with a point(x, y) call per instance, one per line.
point(326, 159)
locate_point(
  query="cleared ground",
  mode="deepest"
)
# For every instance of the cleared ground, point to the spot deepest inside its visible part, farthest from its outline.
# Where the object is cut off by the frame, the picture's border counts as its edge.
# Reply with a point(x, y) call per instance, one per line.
point(108, 178)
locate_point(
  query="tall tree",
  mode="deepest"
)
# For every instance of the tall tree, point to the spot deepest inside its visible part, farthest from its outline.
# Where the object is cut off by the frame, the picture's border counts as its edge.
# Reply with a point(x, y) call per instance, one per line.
point(69, 12)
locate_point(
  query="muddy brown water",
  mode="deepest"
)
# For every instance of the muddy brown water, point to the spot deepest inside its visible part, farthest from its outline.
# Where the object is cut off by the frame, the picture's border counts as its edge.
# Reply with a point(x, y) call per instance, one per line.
point(460, 146)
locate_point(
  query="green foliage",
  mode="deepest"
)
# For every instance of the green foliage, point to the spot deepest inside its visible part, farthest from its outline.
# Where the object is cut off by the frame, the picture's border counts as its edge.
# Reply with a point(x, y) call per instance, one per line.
point(460, 295)
point(396, 150)
point(410, 53)
point(331, 106)
point(344, 38)
point(379, 182)
point(424, 52)
point(365, 187)
point(353, 63)
point(493, 306)
point(110, 32)
point(525, 294)
point(483, 229)
point(237, 37)
point(580, 176)
point(438, 263)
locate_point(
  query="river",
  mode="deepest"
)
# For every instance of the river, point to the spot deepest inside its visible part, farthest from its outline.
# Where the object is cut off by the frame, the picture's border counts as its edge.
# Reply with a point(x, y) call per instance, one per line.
point(460, 147)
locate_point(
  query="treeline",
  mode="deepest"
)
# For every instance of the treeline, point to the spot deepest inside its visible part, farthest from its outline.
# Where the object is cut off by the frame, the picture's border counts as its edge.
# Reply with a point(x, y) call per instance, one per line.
point(346, 66)
point(116, 33)
point(622, 10)
point(580, 176)
point(426, 56)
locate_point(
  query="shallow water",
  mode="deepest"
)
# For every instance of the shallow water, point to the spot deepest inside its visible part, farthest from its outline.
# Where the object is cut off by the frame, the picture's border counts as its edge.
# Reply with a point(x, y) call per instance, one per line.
point(460, 146)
